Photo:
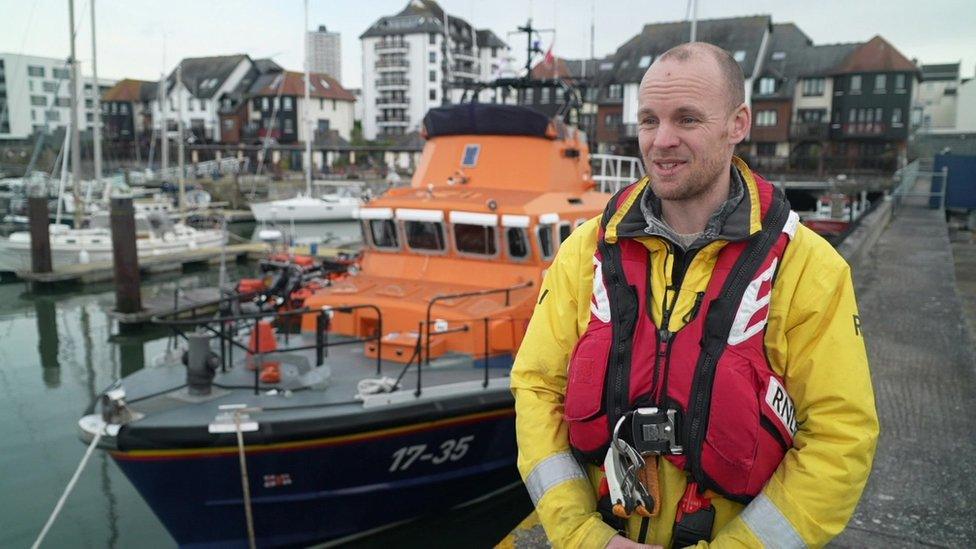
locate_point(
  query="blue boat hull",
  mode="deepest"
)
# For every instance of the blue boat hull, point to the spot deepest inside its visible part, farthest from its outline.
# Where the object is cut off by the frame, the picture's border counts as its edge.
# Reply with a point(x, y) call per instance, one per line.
point(326, 489)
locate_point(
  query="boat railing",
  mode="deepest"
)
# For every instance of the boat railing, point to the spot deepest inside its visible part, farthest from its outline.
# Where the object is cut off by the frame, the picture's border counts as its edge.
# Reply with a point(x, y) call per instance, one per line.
point(226, 326)
point(611, 172)
point(458, 295)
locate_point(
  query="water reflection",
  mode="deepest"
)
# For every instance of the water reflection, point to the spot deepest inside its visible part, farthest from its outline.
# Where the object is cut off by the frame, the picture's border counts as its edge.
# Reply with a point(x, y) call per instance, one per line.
point(47, 341)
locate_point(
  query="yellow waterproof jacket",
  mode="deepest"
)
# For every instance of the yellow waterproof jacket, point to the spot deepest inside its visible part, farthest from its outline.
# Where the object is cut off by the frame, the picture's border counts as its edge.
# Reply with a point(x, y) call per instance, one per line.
point(813, 341)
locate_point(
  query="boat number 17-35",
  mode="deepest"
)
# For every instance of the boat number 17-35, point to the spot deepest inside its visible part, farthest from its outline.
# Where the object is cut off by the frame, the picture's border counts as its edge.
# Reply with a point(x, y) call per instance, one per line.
point(449, 450)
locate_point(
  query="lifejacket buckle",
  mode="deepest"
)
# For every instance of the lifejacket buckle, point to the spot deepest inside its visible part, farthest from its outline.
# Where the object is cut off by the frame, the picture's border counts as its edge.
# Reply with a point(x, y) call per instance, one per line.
point(654, 431)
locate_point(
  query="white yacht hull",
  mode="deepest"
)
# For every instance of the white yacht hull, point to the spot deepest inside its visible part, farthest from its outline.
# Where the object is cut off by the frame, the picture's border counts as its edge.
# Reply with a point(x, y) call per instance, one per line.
point(93, 245)
point(306, 209)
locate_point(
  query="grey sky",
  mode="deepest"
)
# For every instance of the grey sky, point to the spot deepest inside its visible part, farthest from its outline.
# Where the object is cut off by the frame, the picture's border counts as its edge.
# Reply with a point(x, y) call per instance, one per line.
point(135, 35)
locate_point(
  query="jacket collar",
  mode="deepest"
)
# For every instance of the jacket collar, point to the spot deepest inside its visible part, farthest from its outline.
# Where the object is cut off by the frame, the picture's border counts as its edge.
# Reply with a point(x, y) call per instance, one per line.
point(736, 219)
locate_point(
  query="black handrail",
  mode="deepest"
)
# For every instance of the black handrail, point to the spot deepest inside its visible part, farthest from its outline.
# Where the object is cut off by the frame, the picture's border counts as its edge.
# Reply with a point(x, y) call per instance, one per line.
point(442, 297)
point(172, 320)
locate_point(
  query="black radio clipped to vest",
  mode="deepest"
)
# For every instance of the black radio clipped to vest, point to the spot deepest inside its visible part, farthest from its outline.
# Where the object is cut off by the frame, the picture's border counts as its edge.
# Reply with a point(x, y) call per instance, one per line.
point(654, 431)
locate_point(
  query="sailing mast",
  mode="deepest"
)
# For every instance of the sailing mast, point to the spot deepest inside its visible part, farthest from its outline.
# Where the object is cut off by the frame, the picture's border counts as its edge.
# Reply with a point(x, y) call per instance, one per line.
point(75, 137)
point(306, 119)
point(97, 119)
point(180, 145)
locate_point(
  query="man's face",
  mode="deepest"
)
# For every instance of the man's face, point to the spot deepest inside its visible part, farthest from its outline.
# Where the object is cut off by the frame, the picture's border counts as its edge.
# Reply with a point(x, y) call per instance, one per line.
point(687, 129)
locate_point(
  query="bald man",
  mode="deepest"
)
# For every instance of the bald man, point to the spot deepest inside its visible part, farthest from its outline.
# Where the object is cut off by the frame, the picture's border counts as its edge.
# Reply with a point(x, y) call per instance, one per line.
point(693, 373)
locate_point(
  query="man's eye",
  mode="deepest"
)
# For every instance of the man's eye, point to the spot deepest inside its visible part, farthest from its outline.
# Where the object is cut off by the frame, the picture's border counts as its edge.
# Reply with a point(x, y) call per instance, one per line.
point(688, 120)
point(649, 121)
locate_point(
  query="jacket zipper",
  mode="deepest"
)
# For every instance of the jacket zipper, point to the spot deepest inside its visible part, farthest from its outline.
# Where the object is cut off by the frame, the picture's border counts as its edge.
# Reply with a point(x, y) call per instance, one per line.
point(701, 393)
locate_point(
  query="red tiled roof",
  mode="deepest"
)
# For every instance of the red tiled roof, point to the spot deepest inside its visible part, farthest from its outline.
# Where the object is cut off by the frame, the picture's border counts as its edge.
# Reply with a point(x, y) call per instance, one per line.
point(125, 90)
point(544, 71)
point(875, 55)
point(322, 86)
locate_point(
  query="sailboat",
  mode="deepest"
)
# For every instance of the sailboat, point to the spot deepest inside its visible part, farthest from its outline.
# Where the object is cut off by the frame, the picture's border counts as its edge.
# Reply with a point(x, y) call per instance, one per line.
point(156, 235)
point(308, 207)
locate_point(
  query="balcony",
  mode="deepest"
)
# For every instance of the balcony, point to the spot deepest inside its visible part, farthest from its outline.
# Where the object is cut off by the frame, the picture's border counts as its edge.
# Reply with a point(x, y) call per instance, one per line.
point(393, 102)
point(464, 53)
point(391, 46)
point(393, 120)
point(392, 83)
point(864, 129)
point(396, 64)
point(465, 70)
point(818, 131)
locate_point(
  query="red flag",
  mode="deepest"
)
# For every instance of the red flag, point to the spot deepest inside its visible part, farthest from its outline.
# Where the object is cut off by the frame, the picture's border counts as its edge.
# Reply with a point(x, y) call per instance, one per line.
point(549, 59)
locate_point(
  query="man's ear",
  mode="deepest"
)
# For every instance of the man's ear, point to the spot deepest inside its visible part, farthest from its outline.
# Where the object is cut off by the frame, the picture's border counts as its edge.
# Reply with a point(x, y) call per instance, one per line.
point(741, 124)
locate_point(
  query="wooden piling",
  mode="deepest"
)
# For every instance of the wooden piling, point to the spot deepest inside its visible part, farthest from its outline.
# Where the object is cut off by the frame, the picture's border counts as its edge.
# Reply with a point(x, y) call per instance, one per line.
point(40, 235)
point(125, 257)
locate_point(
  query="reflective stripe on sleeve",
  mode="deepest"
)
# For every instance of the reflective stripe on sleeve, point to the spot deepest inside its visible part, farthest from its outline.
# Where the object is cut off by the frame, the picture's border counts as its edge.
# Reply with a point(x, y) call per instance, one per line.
point(551, 471)
point(769, 525)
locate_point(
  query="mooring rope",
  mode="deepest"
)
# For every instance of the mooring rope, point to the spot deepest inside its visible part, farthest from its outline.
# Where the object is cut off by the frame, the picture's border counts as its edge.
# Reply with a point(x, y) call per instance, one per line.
point(244, 482)
point(68, 489)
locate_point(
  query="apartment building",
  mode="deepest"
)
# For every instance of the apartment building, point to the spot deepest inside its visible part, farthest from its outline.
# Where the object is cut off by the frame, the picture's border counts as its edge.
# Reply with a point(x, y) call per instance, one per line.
point(417, 59)
point(936, 101)
point(35, 95)
point(324, 52)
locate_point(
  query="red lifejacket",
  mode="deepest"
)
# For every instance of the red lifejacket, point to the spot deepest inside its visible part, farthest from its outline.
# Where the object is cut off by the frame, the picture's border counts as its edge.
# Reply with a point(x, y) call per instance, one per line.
point(735, 420)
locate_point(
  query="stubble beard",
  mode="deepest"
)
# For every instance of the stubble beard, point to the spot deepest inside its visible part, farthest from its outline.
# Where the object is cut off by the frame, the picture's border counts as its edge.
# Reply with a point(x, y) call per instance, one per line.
point(699, 181)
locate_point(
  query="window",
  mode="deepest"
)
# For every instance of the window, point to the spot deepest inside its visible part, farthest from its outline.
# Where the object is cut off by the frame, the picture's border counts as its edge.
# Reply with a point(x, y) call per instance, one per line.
point(616, 91)
point(625, 63)
point(433, 95)
point(856, 83)
point(38, 101)
point(65, 102)
point(739, 55)
point(89, 117)
point(852, 115)
point(565, 229)
point(424, 235)
point(591, 94)
point(433, 76)
point(544, 96)
point(289, 126)
point(812, 116)
point(89, 102)
point(543, 234)
point(61, 74)
point(432, 38)
point(645, 61)
point(34, 70)
point(528, 96)
point(256, 104)
point(517, 243)
point(189, 105)
point(896, 117)
point(275, 103)
point(228, 124)
point(264, 103)
point(475, 239)
point(50, 87)
point(383, 234)
point(813, 86)
point(203, 106)
point(899, 82)
point(878, 115)
point(432, 57)
point(880, 82)
point(767, 85)
point(606, 65)
point(53, 116)
point(779, 55)
point(612, 121)
point(470, 158)
point(286, 103)
point(766, 149)
point(765, 118)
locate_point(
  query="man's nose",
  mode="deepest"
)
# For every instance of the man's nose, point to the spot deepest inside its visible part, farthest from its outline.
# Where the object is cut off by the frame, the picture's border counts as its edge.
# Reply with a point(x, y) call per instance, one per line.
point(665, 137)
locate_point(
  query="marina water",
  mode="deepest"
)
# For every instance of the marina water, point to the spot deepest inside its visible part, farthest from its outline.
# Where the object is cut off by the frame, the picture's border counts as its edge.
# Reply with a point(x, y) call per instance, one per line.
point(57, 352)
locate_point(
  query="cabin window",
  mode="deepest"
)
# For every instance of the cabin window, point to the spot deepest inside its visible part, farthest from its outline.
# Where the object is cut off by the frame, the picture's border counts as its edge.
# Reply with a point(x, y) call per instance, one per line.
point(543, 234)
point(475, 239)
point(383, 234)
point(565, 229)
point(424, 235)
point(517, 243)
point(470, 159)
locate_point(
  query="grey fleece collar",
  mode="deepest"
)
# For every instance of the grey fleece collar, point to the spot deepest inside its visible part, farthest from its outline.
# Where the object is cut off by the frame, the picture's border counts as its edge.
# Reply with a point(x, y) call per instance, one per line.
point(731, 221)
